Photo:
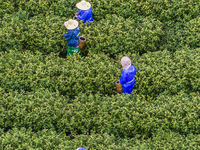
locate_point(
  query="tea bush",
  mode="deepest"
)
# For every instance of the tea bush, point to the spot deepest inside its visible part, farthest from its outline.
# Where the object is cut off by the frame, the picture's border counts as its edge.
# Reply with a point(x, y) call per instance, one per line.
point(48, 102)
point(122, 116)
point(45, 139)
point(180, 35)
point(169, 10)
point(27, 139)
point(162, 71)
point(45, 7)
point(6, 7)
point(36, 110)
point(53, 7)
point(158, 9)
point(145, 26)
point(70, 77)
point(33, 90)
point(157, 72)
point(115, 34)
point(42, 34)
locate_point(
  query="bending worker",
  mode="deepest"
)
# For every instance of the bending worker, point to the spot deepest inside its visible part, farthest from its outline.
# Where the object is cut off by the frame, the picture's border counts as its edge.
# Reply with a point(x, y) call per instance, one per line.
point(72, 36)
point(85, 11)
point(128, 75)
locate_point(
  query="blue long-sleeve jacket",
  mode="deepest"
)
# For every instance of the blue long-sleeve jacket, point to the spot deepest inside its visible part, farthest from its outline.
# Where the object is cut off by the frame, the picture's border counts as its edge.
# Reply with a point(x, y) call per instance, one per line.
point(127, 79)
point(85, 15)
point(72, 37)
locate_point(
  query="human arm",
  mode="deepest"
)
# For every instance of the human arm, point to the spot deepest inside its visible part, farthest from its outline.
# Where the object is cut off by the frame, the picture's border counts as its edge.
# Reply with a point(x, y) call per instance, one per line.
point(67, 35)
point(123, 77)
point(82, 15)
point(76, 15)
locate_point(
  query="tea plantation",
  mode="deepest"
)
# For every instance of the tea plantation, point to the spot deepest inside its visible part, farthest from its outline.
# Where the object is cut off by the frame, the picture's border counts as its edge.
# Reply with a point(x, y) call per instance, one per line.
point(48, 101)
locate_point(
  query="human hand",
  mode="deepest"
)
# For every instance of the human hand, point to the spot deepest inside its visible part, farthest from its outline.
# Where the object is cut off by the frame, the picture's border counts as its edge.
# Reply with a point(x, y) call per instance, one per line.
point(76, 15)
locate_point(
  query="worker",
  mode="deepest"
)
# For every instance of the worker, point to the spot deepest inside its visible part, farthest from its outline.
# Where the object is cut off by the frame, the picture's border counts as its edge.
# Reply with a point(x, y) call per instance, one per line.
point(85, 11)
point(127, 78)
point(72, 36)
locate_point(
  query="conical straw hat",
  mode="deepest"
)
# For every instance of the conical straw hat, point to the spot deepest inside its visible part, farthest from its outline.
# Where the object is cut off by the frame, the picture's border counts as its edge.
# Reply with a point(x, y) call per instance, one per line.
point(71, 24)
point(83, 5)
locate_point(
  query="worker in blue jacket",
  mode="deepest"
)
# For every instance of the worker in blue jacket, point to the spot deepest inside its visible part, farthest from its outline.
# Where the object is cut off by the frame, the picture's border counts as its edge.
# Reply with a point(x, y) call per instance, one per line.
point(72, 36)
point(128, 75)
point(85, 11)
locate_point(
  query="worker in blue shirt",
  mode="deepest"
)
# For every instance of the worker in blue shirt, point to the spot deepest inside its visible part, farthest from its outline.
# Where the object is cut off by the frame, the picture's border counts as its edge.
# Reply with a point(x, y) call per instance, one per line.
point(72, 36)
point(127, 78)
point(85, 11)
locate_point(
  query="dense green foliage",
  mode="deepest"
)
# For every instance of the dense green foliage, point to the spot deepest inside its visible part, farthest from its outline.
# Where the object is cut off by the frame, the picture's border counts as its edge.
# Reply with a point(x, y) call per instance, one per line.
point(134, 26)
point(94, 113)
point(38, 33)
point(157, 72)
point(90, 74)
point(46, 139)
point(116, 34)
point(49, 102)
point(162, 71)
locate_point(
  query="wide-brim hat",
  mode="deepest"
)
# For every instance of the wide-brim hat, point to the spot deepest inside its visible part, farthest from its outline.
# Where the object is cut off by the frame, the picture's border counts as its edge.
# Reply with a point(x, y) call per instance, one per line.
point(71, 24)
point(83, 5)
